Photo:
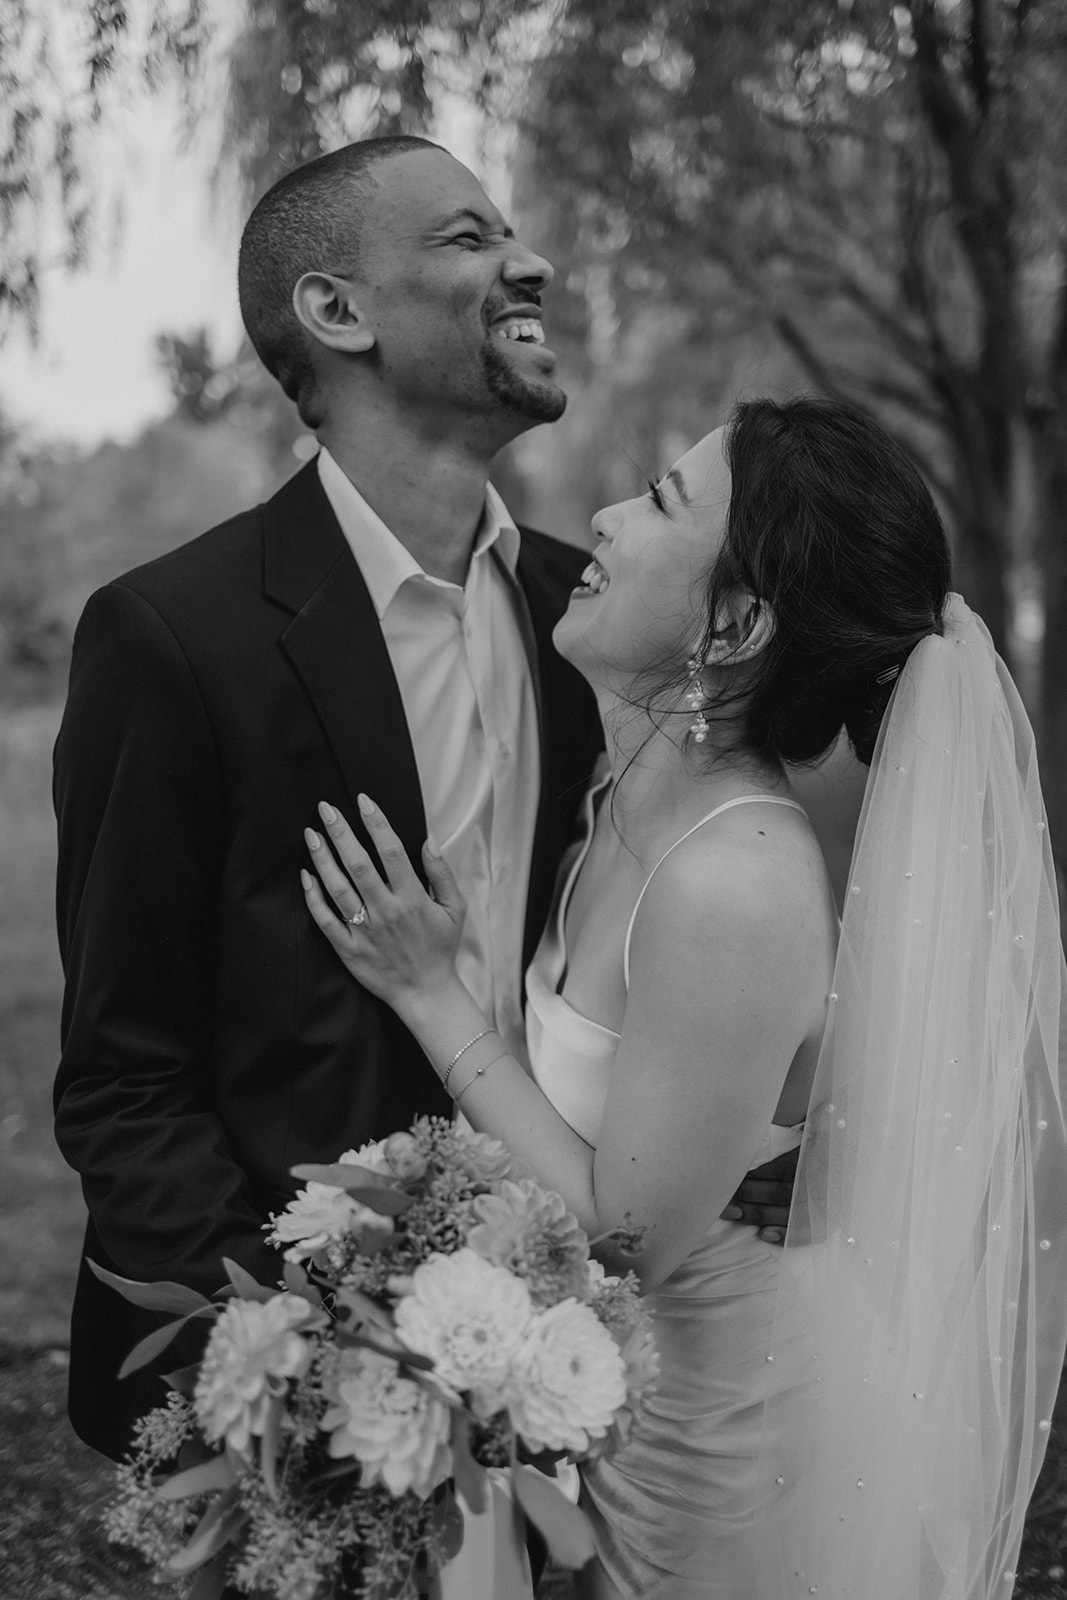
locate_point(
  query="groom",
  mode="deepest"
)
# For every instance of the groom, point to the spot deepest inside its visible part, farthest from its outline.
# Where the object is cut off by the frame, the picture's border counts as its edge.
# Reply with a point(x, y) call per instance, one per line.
point(379, 625)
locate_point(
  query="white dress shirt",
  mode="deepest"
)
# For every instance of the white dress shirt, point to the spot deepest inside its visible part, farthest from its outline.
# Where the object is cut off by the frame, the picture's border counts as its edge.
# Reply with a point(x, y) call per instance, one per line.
point(466, 685)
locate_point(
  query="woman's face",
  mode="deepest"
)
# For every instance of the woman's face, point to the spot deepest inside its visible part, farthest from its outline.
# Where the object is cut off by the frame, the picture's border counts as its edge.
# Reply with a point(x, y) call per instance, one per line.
point(641, 596)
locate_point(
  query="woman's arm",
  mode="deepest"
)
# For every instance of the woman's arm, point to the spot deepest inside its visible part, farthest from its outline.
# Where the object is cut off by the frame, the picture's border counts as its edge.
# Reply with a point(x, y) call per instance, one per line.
point(721, 979)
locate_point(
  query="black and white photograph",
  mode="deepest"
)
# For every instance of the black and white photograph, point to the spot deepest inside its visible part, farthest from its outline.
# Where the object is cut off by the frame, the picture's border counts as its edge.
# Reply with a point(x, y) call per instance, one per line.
point(533, 799)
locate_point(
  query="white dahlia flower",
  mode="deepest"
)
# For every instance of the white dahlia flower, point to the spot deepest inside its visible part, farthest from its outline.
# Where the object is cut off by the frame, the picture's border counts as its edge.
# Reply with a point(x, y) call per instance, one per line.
point(370, 1156)
point(393, 1427)
point(322, 1215)
point(403, 1157)
point(570, 1380)
point(470, 1318)
point(529, 1230)
point(255, 1348)
point(482, 1159)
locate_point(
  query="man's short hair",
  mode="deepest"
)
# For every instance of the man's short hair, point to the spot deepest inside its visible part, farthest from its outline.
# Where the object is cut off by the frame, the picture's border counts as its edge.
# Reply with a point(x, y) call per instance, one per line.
point(309, 221)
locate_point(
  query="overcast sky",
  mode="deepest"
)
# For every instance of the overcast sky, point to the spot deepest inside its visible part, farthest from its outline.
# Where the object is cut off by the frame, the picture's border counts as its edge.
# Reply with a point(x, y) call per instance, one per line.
point(94, 373)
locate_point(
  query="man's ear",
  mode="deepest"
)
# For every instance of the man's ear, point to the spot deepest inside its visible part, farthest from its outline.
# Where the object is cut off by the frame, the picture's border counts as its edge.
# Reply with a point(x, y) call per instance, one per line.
point(743, 628)
point(327, 307)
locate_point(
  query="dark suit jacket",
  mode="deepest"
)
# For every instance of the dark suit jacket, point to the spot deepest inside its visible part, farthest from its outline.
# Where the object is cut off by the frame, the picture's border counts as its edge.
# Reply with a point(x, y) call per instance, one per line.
point(211, 1039)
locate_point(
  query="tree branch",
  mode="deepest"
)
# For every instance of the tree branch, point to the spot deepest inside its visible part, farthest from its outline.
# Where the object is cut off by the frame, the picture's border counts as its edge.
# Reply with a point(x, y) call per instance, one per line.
point(801, 347)
point(978, 53)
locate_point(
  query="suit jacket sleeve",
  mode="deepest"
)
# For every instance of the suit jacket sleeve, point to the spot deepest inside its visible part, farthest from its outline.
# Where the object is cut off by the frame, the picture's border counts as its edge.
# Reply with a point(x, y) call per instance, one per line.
point(142, 834)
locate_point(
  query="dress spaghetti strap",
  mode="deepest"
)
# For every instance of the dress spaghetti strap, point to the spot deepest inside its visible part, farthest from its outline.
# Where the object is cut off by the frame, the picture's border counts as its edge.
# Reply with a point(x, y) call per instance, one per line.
point(727, 805)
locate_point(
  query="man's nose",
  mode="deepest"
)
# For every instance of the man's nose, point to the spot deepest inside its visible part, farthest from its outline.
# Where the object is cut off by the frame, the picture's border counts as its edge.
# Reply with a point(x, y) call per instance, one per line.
point(526, 266)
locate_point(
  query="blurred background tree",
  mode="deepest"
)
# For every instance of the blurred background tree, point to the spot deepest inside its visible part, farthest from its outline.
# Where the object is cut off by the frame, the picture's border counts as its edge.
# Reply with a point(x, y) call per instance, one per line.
point(867, 198)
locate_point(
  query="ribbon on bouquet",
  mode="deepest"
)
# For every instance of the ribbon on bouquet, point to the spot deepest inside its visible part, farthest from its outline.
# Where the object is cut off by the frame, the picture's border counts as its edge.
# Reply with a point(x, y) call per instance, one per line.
point(492, 1563)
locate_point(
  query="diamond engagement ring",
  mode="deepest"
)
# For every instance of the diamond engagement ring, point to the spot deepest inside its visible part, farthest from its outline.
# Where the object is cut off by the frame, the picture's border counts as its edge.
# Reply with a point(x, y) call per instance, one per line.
point(358, 920)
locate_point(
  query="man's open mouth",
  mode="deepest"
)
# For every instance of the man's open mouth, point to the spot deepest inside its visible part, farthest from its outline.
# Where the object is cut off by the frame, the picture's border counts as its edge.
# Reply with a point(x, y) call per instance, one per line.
point(519, 329)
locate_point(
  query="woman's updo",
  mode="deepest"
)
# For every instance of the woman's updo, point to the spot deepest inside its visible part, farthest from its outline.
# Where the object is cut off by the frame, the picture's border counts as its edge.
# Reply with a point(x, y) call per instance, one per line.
point(831, 525)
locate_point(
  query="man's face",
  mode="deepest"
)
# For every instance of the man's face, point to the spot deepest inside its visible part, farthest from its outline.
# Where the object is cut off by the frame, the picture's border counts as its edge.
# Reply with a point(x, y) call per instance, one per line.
point(453, 298)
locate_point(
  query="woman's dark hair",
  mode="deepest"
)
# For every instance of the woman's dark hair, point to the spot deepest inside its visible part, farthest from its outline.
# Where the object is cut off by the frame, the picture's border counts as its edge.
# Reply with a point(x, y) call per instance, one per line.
point(832, 527)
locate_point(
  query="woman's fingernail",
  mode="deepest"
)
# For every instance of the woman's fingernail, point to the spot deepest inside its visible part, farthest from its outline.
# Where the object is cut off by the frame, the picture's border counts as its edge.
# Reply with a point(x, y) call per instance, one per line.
point(311, 839)
point(733, 1214)
point(366, 805)
point(432, 846)
point(327, 813)
point(306, 879)
point(772, 1235)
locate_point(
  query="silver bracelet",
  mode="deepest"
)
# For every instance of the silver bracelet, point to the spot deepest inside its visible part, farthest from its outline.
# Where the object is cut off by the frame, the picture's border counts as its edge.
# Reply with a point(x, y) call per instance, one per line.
point(456, 1098)
point(462, 1051)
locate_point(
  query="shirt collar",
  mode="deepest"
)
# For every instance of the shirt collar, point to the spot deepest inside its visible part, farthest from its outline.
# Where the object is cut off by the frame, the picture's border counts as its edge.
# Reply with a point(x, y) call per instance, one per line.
point(382, 559)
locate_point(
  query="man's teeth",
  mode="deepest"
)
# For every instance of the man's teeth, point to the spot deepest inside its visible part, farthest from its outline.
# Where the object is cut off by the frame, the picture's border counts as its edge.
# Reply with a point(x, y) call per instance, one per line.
point(595, 578)
point(532, 332)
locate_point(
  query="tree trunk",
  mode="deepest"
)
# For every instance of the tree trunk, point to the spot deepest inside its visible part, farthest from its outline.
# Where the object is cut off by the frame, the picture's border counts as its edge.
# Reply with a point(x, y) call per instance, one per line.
point(979, 575)
point(1051, 517)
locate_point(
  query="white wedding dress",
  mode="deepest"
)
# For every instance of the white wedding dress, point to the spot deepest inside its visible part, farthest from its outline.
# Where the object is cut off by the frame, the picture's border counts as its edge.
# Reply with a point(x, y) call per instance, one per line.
point(861, 1415)
point(682, 1511)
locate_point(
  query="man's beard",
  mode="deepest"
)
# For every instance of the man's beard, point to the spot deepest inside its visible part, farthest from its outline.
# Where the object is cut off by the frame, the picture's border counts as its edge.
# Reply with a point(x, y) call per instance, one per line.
point(541, 401)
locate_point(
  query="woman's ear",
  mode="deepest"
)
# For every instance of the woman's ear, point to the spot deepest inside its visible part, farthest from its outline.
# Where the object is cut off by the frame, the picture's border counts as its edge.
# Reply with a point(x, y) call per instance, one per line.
point(743, 628)
point(327, 307)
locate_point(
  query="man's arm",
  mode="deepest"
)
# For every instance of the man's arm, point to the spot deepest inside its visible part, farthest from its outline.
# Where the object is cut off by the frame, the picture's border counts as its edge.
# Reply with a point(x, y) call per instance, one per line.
point(140, 809)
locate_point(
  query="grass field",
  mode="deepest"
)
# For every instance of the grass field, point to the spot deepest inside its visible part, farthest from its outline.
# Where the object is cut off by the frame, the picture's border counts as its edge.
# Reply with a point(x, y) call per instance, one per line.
point(51, 1486)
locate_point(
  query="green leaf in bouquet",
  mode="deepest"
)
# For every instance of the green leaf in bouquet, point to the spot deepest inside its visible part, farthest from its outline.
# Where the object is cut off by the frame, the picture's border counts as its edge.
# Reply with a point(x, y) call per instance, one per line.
point(246, 1286)
point(366, 1187)
point(470, 1478)
point(323, 1477)
point(153, 1344)
point(221, 1524)
point(546, 1461)
point(268, 1443)
point(183, 1380)
point(193, 1451)
point(437, 1387)
point(210, 1581)
point(396, 1352)
point(358, 1310)
point(448, 1524)
point(173, 1297)
point(298, 1282)
point(565, 1529)
point(218, 1473)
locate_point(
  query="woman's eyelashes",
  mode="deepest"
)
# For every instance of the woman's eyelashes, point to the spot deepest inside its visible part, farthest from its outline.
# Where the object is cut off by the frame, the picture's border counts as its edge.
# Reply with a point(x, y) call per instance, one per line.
point(655, 494)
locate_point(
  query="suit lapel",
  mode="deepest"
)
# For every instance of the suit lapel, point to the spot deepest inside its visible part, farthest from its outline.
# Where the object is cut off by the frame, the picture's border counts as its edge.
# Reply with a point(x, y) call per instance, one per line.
point(334, 642)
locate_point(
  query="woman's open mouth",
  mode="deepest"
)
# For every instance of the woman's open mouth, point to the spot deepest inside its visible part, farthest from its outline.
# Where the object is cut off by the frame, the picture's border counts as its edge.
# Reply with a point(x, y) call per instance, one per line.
point(594, 579)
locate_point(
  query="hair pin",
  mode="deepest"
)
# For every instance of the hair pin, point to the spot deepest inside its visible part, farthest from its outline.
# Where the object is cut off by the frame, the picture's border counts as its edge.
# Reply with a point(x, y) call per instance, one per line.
point(888, 675)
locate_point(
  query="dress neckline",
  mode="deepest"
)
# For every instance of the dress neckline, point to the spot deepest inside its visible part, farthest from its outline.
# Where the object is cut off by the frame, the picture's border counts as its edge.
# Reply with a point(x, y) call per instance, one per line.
point(550, 1015)
point(592, 794)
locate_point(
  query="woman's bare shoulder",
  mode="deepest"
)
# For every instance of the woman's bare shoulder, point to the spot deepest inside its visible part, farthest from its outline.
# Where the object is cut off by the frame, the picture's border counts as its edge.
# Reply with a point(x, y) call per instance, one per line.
point(746, 879)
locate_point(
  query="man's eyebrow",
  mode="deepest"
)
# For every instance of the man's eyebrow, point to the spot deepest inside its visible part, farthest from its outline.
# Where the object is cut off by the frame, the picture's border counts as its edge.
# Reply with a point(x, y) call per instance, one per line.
point(468, 214)
point(675, 477)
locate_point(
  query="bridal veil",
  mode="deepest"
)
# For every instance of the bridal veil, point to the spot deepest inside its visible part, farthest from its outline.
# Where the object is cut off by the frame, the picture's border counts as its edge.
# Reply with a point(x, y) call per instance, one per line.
point(929, 1225)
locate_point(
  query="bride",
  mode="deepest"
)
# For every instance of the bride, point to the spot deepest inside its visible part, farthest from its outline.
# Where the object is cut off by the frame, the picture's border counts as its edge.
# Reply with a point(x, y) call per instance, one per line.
point(862, 1413)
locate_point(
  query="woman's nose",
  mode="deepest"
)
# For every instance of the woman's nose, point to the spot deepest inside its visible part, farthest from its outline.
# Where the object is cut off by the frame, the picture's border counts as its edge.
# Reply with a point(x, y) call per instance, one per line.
point(606, 522)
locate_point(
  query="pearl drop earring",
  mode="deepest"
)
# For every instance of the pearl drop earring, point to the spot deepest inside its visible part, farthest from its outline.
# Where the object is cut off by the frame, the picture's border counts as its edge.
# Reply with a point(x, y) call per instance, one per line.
point(696, 698)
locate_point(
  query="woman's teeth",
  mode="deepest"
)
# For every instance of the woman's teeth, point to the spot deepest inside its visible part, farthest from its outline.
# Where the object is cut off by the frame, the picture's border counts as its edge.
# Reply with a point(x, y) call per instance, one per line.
point(529, 332)
point(594, 578)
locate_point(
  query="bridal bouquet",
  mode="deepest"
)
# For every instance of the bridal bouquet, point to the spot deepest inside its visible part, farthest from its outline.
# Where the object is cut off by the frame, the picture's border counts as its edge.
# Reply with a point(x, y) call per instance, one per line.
point(438, 1320)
